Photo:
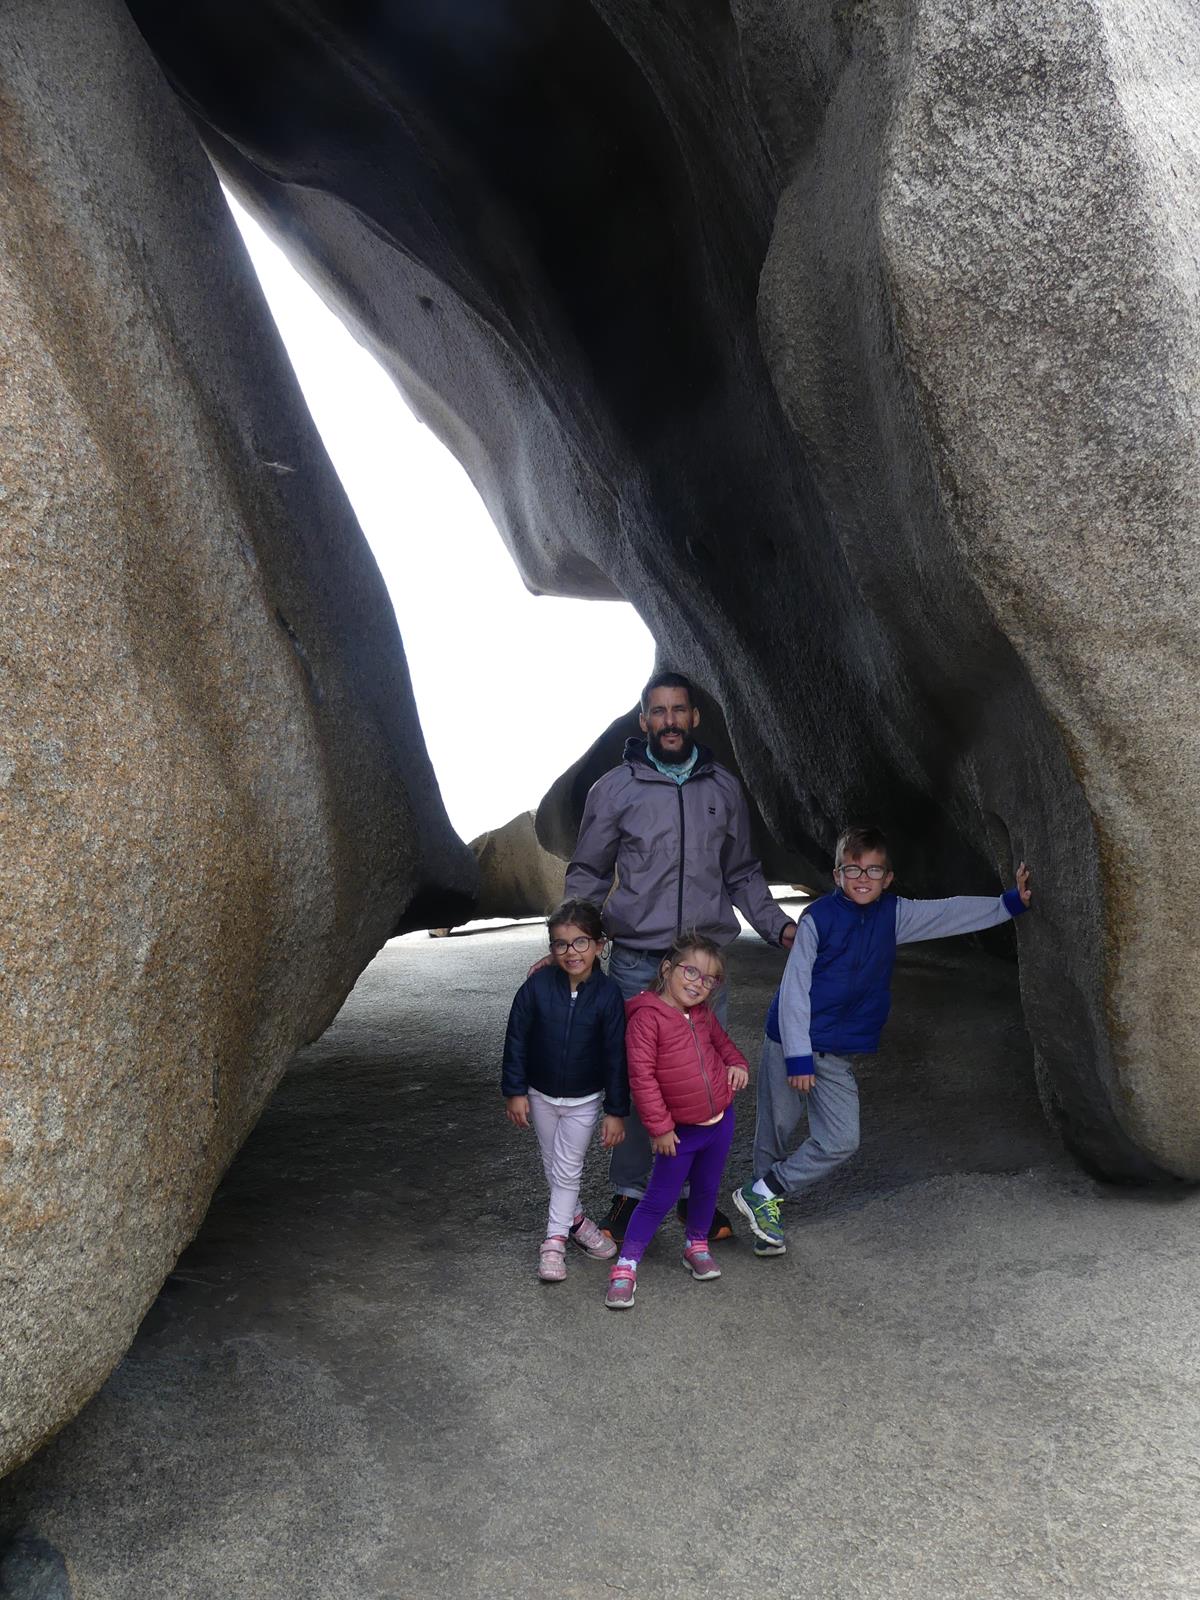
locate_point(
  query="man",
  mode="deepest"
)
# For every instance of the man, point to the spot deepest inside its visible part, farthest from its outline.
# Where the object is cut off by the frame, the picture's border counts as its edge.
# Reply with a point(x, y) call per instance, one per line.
point(676, 828)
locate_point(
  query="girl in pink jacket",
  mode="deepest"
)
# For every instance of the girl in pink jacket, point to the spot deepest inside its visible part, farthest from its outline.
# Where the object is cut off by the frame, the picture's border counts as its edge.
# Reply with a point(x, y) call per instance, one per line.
point(683, 1072)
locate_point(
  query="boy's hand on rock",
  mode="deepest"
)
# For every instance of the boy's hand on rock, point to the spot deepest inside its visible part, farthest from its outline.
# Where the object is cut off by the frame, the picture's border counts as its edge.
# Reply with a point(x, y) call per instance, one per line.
point(664, 1144)
point(612, 1132)
point(516, 1109)
point(1023, 888)
point(803, 1084)
point(738, 1077)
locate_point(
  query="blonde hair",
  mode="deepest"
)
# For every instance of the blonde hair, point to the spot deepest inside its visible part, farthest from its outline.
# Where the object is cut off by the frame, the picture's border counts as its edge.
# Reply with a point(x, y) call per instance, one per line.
point(684, 943)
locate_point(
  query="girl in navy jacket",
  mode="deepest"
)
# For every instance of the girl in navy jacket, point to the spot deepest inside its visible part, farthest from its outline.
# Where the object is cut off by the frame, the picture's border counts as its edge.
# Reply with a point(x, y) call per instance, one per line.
point(564, 1063)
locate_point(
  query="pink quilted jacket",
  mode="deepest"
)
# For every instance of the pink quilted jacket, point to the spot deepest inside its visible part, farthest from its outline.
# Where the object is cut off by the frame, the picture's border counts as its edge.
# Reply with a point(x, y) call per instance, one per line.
point(678, 1063)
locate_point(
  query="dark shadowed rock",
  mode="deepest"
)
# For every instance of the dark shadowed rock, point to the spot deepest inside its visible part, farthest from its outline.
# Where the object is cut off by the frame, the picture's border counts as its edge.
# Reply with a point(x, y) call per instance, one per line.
point(214, 799)
point(32, 1569)
point(858, 347)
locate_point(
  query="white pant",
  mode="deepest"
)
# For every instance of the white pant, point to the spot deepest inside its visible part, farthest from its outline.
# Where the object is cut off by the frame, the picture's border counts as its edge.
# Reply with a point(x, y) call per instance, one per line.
point(563, 1133)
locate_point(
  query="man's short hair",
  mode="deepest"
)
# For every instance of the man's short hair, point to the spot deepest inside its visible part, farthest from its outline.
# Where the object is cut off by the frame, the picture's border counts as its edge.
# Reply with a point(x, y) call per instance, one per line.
point(667, 680)
point(856, 842)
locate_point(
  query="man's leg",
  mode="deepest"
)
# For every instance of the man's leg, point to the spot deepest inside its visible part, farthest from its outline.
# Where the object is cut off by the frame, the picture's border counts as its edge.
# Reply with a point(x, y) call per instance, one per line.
point(629, 1167)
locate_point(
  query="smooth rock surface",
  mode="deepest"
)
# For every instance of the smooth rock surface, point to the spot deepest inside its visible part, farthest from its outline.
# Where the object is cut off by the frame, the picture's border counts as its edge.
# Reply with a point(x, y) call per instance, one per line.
point(214, 799)
point(517, 878)
point(973, 1375)
point(858, 347)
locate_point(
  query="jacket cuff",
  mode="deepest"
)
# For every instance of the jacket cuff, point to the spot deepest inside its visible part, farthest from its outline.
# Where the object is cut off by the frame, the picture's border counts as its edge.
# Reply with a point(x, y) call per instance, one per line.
point(798, 1066)
point(657, 1132)
point(1013, 903)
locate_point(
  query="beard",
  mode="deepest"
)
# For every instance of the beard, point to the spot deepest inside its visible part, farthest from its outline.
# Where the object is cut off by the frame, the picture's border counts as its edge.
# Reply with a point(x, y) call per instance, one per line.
point(675, 757)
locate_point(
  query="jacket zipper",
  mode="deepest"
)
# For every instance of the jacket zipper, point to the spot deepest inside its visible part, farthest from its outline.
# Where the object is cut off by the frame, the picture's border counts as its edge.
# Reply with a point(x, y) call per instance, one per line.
point(682, 837)
point(700, 1059)
point(566, 1049)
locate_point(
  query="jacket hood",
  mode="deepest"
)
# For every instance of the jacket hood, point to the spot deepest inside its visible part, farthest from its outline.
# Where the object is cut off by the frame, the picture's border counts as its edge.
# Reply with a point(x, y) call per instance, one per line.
point(648, 1000)
point(635, 754)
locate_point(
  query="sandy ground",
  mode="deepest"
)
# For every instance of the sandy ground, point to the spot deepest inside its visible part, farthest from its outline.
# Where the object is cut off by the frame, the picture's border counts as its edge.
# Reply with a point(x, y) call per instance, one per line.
point(974, 1375)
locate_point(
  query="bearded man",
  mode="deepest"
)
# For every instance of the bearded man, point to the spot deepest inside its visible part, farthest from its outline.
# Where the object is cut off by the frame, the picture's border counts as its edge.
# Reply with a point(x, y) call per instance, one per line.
point(674, 826)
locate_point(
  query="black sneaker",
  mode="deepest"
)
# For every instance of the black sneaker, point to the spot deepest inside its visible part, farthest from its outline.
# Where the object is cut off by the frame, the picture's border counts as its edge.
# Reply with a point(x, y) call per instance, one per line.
point(614, 1225)
point(721, 1228)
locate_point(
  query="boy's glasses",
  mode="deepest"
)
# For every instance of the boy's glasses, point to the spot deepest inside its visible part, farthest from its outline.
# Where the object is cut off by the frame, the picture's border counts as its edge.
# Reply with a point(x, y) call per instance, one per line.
point(694, 975)
point(561, 946)
point(849, 870)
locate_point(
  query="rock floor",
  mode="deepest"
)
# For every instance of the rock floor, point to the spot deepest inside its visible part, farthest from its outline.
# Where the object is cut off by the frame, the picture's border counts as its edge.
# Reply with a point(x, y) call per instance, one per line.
point(974, 1375)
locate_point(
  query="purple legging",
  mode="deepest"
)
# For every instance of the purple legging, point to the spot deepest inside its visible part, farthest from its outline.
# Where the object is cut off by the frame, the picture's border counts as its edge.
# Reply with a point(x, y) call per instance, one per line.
point(699, 1158)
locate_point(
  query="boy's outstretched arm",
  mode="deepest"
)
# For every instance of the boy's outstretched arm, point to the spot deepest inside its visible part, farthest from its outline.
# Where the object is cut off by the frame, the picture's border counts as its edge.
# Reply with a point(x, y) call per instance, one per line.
point(962, 913)
point(795, 1006)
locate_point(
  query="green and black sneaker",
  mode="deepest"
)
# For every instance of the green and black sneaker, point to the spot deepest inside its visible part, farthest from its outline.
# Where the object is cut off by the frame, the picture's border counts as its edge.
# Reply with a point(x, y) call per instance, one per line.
point(761, 1211)
point(764, 1247)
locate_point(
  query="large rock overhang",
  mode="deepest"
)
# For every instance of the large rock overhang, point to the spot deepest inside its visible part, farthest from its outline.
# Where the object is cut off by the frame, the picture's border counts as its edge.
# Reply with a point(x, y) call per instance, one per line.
point(858, 349)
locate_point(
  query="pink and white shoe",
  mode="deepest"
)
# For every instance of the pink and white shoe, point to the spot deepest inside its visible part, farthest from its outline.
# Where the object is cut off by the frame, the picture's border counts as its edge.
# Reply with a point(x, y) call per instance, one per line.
point(622, 1285)
point(591, 1241)
point(552, 1260)
point(698, 1259)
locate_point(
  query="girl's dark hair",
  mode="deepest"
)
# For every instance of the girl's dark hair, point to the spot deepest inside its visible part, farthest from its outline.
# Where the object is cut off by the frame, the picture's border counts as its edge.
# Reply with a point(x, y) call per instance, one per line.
point(583, 914)
point(682, 945)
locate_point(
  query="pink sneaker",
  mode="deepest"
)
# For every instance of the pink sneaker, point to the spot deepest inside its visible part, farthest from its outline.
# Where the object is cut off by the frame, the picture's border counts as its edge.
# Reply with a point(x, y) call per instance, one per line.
point(552, 1260)
point(622, 1285)
point(698, 1259)
point(591, 1241)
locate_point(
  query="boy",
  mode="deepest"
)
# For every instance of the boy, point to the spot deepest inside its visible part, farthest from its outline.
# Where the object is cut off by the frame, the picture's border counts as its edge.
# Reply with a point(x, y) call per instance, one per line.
point(833, 1003)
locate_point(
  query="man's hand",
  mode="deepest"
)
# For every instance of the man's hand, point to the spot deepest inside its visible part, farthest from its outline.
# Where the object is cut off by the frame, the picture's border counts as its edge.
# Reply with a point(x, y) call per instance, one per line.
point(516, 1109)
point(803, 1084)
point(612, 1131)
point(739, 1077)
point(788, 937)
point(538, 965)
point(664, 1144)
point(1023, 888)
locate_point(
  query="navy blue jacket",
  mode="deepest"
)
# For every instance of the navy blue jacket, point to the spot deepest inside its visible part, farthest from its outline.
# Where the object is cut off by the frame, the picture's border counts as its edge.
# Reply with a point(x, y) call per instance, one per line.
point(837, 985)
point(564, 1049)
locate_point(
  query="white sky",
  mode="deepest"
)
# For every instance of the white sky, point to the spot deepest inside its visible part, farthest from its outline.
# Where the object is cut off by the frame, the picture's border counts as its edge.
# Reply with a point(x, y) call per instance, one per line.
point(504, 698)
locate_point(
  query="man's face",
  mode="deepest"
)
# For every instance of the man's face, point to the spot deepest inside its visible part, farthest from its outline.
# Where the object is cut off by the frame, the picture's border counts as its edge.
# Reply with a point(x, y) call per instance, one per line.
point(667, 722)
point(860, 884)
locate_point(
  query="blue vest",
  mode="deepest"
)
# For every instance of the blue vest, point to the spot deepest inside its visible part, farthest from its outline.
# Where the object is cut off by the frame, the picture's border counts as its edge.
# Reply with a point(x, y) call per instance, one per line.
point(851, 994)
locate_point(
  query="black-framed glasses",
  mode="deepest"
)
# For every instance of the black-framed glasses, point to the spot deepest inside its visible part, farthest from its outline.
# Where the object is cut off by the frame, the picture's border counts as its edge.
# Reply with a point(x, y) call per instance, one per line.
point(560, 946)
point(851, 869)
point(694, 975)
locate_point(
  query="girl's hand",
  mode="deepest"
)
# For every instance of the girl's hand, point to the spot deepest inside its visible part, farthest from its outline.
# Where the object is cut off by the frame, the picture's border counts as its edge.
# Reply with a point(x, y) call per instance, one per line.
point(664, 1144)
point(516, 1109)
point(739, 1077)
point(612, 1132)
point(1023, 888)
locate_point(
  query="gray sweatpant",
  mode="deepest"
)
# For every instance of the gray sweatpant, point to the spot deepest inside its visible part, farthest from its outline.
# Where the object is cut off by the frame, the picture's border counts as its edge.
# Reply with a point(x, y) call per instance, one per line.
point(832, 1107)
point(632, 971)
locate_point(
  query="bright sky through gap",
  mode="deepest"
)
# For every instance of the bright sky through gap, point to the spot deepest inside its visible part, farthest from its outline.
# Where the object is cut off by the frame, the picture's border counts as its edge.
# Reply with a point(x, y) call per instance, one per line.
point(511, 687)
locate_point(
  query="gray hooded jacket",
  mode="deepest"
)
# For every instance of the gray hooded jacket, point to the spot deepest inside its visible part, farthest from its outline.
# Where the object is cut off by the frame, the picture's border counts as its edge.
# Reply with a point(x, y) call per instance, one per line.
point(681, 854)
